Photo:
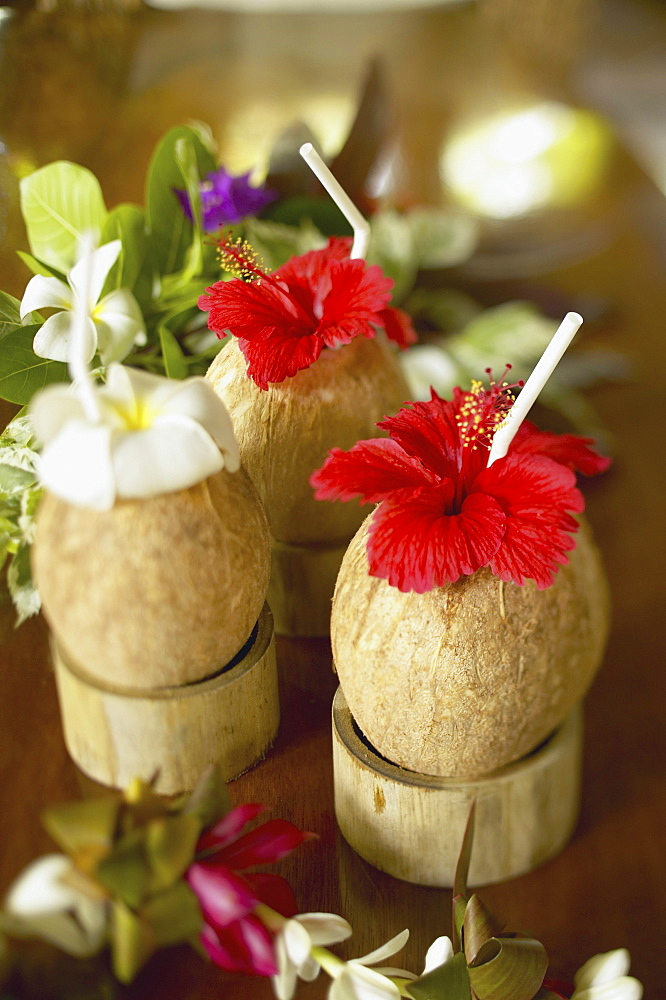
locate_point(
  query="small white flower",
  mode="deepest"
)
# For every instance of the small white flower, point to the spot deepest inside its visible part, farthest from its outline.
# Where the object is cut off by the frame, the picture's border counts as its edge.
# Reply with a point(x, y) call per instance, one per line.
point(154, 436)
point(353, 981)
point(439, 953)
point(293, 948)
point(40, 903)
point(605, 977)
point(113, 326)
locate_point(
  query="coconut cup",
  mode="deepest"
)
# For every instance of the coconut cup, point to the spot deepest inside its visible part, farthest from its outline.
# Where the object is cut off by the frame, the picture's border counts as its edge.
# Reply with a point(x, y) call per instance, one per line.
point(157, 592)
point(285, 432)
point(469, 677)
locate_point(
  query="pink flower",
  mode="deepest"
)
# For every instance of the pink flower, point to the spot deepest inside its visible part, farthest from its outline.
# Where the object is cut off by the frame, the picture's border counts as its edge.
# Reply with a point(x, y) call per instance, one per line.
point(442, 513)
point(233, 936)
point(321, 299)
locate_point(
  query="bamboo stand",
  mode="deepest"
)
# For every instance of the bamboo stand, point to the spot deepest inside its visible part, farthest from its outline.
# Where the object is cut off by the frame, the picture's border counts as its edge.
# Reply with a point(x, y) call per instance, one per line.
point(301, 587)
point(115, 734)
point(411, 825)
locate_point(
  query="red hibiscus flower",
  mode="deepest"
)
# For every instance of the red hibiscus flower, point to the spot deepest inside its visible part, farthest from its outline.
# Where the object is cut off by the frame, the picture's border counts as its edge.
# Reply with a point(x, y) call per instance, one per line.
point(284, 320)
point(442, 513)
point(234, 938)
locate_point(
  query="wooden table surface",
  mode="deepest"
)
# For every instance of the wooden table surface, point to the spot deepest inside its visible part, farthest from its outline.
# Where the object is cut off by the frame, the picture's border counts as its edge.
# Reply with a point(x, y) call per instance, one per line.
point(607, 888)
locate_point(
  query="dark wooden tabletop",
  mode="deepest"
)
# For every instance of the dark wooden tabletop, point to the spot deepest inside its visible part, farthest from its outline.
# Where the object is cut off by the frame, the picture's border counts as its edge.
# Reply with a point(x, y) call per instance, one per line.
point(608, 888)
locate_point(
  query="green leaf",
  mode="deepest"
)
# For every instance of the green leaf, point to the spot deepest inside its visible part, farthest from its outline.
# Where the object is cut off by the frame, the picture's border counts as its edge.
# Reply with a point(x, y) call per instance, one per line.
point(170, 230)
point(173, 916)
point(126, 871)
point(23, 592)
point(127, 223)
point(210, 799)
point(508, 968)
point(132, 942)
point(461, 875)
point(392, 248)
point(170, 845)
point(442, 238)
point(321, 212)
point(479, 925)
point(39, 267)
point(276, 243)
point(22, 373)
point(60, 202)
point(174, 362)
point(10, 316)
point(447, 982)
point(77, 825)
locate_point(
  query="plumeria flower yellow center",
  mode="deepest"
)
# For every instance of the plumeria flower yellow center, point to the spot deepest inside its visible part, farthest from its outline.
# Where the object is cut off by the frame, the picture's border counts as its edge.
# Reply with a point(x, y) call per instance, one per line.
point(153, 435)
point(114, 324)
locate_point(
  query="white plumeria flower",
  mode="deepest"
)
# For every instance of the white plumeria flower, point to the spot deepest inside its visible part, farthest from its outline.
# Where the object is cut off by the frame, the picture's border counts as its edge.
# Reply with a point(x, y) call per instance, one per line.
point(605, 977)
point(439, 953)
point(113, 325)
point(154, 435)
point(353, 981)
point(40, 903)
point(294, 944)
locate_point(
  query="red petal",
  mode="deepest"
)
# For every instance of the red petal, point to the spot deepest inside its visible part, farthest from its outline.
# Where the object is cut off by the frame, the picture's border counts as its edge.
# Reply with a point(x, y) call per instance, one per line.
point(229, 827)
point(416, 545)
point(567, 449)
point(245, 946)
point(353, 305)
point(428, 431)
point(537, 495)
point(223, 895)
point(279, 357)
point(275, 891)
point(398, 326)
point(372, 470)
point(269, 842)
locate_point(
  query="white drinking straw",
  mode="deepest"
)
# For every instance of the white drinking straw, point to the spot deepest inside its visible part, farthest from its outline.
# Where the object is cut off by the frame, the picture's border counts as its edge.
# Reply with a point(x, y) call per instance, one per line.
point(359, 224)
point(545, 366)
point(78, 363)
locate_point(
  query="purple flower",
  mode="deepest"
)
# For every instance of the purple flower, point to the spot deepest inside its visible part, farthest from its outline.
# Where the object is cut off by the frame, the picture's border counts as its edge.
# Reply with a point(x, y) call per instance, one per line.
point(226, 199)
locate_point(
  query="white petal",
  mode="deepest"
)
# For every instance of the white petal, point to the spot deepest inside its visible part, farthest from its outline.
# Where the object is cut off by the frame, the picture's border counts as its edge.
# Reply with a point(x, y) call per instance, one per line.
point(172, 455)
point(603, 968)
point(284, 982)
point(297, 942)
point(439, 952)
point(51, 408)
point(120, 325)
point(355, 982)
point(196, 398)
point(325, 928)
point(52, 340)
point(385, 950)
point(309, 970)
point(624, 988)
point(119, 389)
point(76, 465)
point(40, 904)
point(101, 261)
point(42, 292)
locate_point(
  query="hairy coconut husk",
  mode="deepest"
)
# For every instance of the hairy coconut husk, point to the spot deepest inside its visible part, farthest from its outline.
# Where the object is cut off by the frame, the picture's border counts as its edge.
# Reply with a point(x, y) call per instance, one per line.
point(155, 592)
point(285, 432)
point(466, 678)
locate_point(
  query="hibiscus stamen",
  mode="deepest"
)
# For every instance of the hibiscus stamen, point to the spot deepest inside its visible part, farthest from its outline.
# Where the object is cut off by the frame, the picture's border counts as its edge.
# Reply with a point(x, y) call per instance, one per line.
point(483, 410)
point(240, 259)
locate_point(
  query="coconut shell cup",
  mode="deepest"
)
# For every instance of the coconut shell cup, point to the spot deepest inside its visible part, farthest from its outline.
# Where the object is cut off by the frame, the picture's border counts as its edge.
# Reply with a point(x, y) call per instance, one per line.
point(156, 592)
point(285, 432)
point(469, 677)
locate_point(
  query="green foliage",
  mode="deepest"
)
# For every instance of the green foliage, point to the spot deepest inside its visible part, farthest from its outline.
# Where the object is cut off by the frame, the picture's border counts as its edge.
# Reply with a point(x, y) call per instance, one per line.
point(22, 372)
point(19, 496)
point(170, 231)
point(447, 982)
point(60, 202)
